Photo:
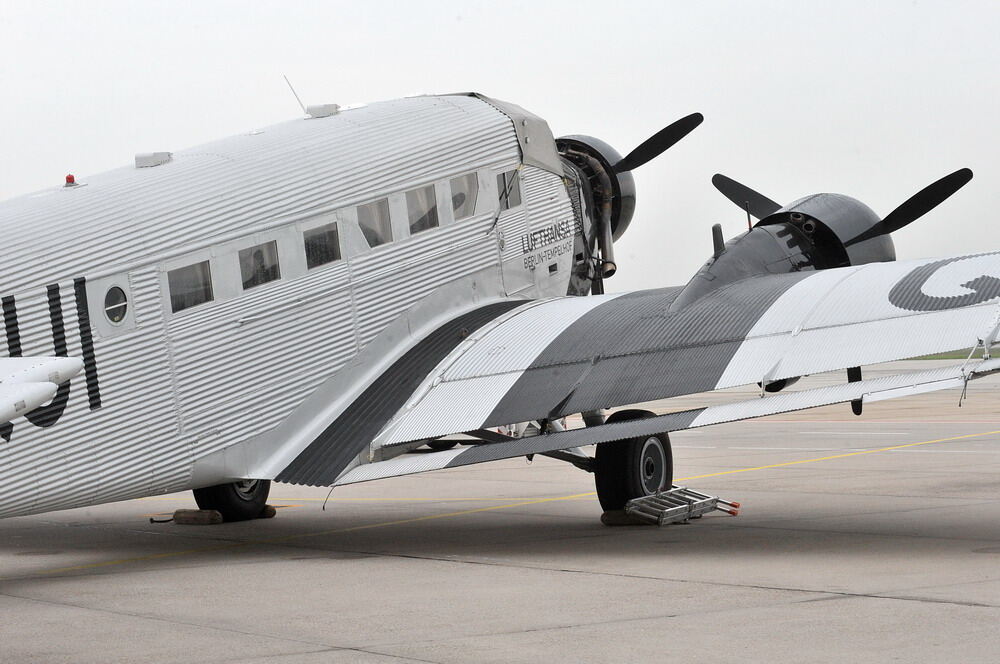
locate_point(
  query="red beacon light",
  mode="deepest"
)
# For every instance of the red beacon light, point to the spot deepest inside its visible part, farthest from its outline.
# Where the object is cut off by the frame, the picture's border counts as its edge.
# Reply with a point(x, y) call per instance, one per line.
point(70, 180)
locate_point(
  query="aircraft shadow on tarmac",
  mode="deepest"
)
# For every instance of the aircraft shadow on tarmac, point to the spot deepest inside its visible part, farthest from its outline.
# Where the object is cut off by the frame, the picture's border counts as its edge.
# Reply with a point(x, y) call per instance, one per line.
point(499, 537)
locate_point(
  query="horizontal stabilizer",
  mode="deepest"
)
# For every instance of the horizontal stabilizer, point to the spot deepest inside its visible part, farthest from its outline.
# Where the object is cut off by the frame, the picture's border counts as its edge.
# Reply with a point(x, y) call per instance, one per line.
point(29, 382)
point(20, 398)
point(875, 389)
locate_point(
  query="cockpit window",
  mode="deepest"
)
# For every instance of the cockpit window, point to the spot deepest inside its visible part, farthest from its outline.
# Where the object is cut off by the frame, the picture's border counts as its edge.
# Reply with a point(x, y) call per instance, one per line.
point(374, 221)
point(259, 264)
point(464, 192)
point(190, 286)
point(422, 209)
point(509, 189)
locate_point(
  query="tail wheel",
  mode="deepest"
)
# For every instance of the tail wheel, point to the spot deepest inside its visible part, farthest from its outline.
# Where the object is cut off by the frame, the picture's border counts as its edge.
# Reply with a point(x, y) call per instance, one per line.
point(632, 468)
point(237, 501)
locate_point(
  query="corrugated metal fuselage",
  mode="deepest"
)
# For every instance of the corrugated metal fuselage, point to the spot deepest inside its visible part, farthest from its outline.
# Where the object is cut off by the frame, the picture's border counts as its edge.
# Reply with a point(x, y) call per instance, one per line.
point(162, 390)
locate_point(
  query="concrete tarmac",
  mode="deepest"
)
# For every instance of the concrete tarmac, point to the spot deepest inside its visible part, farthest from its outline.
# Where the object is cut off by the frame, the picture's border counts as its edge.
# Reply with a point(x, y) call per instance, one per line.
point(870, 539)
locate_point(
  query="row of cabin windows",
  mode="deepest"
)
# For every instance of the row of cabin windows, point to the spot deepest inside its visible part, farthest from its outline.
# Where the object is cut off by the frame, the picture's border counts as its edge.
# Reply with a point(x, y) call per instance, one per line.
point(191, 285)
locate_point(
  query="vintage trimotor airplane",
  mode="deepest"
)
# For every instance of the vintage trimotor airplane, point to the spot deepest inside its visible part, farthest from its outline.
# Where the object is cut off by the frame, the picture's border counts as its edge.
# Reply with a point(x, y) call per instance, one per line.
point(311, 302)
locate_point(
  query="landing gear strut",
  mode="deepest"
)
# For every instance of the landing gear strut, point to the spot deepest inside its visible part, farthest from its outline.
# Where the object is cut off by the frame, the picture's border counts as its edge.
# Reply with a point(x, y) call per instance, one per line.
point(237, 501)
point(632, 468)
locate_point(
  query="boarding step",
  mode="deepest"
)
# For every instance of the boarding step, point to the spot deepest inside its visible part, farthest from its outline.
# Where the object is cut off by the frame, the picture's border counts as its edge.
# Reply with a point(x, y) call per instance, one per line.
point(678, 504)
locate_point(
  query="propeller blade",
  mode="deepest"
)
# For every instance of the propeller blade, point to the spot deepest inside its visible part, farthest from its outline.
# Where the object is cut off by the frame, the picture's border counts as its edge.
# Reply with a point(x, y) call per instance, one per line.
point(659, 142)
point(759, 205)
point(926, 200)
point(917, 205)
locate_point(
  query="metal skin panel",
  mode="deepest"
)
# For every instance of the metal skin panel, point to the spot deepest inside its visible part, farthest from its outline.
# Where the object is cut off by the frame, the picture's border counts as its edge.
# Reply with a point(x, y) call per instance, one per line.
point(168, 390)
point(323, 461)
point(873, 313)
point(85, 455)
point(485, 366)
point(284, 172)
point(636, 347)
point(533, 135)
point(878, 389)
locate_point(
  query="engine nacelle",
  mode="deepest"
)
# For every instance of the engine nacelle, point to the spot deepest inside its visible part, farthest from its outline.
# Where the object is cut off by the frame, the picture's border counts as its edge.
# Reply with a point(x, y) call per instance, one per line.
point(813, 233)
point(829, 223)
point(593, 158)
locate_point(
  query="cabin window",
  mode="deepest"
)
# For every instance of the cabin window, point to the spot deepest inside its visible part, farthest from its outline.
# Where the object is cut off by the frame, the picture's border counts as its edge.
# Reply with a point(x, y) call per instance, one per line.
point(422, 209)
point(464, 192)
point(259, 264)
point(322, 245)
point(190, 286)
point(115, 305)
point(509, 189)
point(374, 221)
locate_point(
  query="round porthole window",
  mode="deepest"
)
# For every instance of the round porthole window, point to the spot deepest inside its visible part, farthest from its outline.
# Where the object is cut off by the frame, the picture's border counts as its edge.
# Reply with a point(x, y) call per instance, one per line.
point(115, 305)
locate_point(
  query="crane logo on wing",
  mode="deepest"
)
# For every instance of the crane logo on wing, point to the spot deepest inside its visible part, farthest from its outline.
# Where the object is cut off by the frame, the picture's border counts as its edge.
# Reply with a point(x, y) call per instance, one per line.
point(911, 293)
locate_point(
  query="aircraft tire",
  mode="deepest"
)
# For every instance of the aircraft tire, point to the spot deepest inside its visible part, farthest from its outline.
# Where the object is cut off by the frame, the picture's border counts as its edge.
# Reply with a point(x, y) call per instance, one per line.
point(236, 501)
point(441, 445)
point(632, 468)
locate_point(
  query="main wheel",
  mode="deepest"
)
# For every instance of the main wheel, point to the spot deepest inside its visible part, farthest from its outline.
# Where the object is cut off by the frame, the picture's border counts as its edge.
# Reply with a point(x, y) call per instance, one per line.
point(632, 468)
point(237, 501)
point(441, 445)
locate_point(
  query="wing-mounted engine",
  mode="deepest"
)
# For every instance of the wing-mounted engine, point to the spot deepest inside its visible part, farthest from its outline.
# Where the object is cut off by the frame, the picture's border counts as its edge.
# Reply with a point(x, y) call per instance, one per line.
point(827, 224)
point(813, 233)
point(602, 184)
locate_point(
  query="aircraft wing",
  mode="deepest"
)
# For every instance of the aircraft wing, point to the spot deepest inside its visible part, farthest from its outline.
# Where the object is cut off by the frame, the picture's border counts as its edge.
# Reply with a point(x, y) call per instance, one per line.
point(549, 358)
point(877, 389)
point(29, 382)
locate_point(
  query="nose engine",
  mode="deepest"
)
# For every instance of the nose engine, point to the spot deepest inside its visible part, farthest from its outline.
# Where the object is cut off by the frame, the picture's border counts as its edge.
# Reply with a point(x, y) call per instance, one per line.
point(608, 196)
point(603, 190)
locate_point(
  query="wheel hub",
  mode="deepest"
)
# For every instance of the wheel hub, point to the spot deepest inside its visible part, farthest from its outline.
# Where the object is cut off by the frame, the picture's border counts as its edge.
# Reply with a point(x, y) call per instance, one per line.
point(653, 465)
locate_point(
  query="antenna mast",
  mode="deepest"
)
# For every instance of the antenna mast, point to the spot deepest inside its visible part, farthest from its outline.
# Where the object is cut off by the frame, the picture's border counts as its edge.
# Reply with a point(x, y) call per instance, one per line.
point(303, 106)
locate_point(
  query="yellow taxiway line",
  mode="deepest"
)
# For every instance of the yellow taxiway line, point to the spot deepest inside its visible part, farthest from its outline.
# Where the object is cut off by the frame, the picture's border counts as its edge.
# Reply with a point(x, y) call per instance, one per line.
point(448, 515)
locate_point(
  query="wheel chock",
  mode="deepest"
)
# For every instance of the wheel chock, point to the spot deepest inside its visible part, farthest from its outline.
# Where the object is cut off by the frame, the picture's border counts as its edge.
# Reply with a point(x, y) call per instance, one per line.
point(620, 518)
point(210, 517)
point(197, 517)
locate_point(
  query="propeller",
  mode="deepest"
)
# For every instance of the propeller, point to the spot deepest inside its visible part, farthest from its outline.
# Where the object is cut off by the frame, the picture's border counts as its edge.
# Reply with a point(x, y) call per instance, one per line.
point(918, 205)
point(612, 186)
point(755, 203)
point(659, 143)
point(909, 211)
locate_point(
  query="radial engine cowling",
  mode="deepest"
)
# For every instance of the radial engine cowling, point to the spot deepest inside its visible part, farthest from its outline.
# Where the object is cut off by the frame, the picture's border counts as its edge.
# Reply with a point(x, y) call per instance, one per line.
point(842, 230)
point(612, 194)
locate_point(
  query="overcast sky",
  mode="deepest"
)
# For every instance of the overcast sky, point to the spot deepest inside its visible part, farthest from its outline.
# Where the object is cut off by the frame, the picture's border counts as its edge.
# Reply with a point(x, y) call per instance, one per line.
point(874, 100)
